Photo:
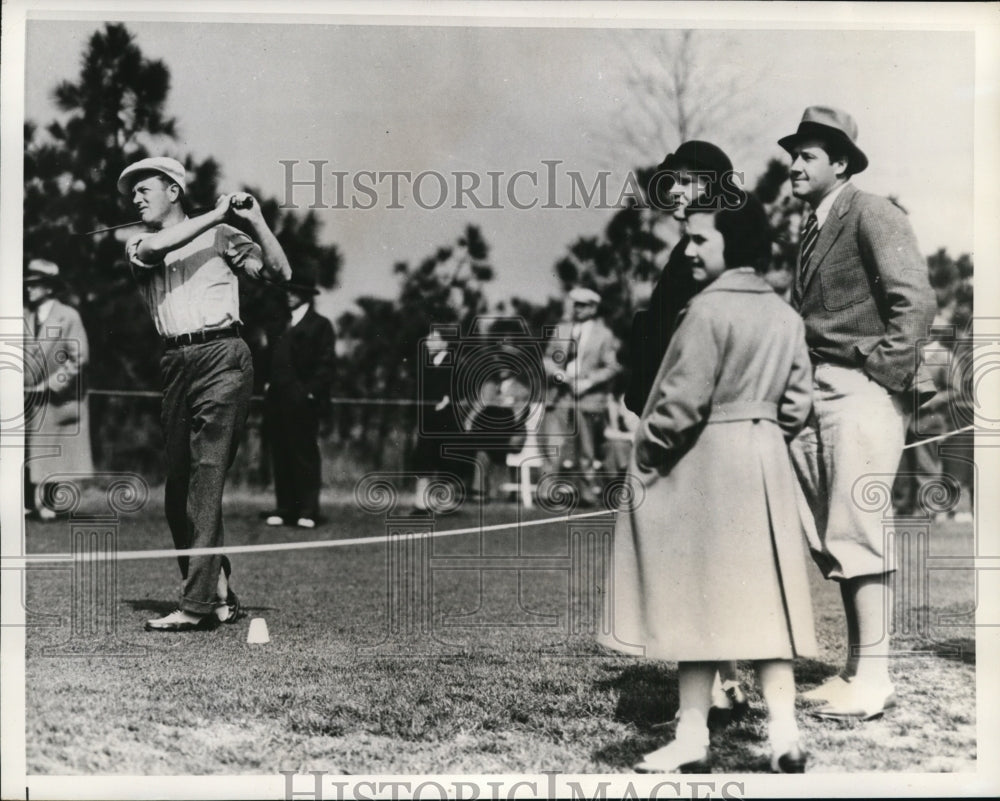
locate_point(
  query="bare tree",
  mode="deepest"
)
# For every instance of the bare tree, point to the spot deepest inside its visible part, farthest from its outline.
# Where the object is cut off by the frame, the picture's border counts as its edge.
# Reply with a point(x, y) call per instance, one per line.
point(682, 84)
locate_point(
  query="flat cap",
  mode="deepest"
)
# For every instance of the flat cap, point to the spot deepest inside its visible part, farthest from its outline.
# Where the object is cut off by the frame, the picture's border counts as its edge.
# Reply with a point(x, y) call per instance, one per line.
point(41, 270)
point(581, 294)
point(164, 165)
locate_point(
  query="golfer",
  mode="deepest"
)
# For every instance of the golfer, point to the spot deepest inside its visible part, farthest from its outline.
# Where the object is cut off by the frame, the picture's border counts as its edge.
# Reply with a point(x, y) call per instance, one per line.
point(186, 269)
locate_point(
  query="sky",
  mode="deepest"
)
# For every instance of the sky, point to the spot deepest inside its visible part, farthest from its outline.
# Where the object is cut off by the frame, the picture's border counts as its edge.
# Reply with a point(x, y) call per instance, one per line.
point(504, 99)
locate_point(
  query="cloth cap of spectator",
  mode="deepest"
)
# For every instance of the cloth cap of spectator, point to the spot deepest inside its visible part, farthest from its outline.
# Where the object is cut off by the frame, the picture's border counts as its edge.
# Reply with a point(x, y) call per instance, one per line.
point(40, 270)
point(830, 125)
point(164, 165)
point(581, 294)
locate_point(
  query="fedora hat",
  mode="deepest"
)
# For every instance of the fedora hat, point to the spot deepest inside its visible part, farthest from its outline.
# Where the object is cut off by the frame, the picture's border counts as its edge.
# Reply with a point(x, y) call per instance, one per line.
point(168, 167)
point(303, 282)
point(41, 270)
point(832, 125)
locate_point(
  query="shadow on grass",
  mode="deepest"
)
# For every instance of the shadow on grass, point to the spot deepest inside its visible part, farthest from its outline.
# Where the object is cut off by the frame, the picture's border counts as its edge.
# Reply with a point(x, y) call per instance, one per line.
point(812, 671)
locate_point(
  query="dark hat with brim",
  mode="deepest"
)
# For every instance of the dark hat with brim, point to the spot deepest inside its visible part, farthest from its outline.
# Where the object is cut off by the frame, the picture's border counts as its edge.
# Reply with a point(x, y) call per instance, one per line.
point(303, 281)
point(697, 155)
point(829, 125)
point(41, 271)
point(693, 155)
point(300, 289)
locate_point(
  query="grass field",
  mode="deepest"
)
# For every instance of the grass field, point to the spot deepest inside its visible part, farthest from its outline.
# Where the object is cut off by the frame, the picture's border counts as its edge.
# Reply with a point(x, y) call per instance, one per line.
point(513, 683)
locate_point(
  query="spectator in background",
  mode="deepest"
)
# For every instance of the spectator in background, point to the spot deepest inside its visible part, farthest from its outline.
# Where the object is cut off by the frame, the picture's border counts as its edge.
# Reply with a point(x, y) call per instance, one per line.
point(56, 355)
point(439, 418)
point(500, 413)
point(579, 382)
point(297, 400)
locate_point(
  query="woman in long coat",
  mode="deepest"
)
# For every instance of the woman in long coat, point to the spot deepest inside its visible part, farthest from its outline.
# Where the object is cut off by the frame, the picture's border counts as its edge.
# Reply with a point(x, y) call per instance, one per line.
point(710, 564)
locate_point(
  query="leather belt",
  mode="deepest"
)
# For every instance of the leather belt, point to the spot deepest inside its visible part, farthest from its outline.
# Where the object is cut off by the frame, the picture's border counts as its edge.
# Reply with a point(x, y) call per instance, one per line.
point(201, 337)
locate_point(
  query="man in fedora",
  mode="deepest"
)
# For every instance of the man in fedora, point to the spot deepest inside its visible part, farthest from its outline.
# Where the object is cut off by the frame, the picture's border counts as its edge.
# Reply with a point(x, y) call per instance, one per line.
point(862, 289)
point(185, 268)
point(580, 380)
point(297, 399)
point(56, 355)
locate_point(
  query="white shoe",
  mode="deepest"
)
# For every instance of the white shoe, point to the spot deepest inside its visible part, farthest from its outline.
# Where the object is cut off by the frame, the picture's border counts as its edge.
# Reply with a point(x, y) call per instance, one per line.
point(178, 620)
point(275, 520)
point(962, 517)
point(861, 701)
point(44, 513)
point(305, 522)
point(829, 690)
point(676, 757)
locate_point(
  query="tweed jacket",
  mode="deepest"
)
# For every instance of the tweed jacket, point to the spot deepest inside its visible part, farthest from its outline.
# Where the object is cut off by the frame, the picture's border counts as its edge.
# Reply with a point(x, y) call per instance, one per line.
point(866, 299)
point(597, 362)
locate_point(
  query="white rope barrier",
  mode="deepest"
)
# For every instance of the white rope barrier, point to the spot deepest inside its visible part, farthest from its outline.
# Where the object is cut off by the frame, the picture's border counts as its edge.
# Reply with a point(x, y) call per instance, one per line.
point(920, 442)
point(169, 553)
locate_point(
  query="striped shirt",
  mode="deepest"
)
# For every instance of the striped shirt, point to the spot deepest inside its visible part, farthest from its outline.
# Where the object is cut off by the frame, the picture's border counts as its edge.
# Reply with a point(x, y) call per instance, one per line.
point(195, 286)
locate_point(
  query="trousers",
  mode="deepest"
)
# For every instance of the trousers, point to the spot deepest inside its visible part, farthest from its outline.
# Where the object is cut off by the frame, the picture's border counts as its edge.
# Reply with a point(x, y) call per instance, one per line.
point(206, 398)
point(293, 428)
point(847, 451)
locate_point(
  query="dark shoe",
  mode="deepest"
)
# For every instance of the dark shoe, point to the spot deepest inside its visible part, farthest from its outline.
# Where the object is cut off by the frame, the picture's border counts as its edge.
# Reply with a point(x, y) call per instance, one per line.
point(228, 612)
point(178, 620)
point(738, 703)
point(792, 761)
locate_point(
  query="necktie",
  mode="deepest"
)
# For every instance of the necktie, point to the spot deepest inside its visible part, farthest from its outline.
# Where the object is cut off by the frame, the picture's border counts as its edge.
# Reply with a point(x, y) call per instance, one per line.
point(807, 244)
point(810, 233)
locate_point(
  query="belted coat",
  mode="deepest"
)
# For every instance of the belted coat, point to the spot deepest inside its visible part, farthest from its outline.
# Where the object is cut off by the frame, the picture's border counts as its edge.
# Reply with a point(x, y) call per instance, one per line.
point(709, 559)
point(56, 358)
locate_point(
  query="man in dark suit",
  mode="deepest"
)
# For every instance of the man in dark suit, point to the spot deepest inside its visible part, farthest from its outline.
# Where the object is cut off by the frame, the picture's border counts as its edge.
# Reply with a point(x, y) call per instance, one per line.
point(297, 398)
point(862, 289)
